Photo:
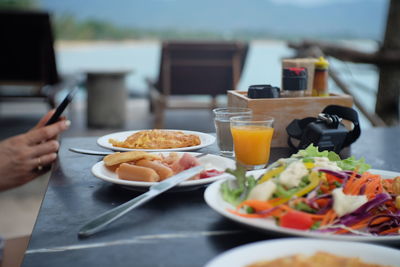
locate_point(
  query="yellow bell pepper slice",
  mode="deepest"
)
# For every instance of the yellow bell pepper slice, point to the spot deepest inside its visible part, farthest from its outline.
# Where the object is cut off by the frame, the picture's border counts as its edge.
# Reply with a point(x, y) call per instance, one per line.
point(314, 181)
point(270, 174)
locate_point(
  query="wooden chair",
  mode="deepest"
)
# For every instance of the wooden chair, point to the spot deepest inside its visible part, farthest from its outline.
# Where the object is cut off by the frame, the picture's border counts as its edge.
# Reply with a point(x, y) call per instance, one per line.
point(28, 66)
point(195, 68)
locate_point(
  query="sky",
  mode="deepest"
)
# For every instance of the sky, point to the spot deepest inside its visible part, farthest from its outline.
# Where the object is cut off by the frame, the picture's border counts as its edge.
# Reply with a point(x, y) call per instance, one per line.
point(351, 18)
point(310, 3)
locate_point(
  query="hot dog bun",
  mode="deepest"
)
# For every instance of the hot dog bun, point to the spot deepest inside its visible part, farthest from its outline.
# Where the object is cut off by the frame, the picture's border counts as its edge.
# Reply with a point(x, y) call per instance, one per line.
point(131, 172)
point(122, 157)
point(162, 170)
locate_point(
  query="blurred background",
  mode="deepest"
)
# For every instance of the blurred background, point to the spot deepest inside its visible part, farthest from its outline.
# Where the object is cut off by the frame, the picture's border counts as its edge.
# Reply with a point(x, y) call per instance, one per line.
point(96, 35)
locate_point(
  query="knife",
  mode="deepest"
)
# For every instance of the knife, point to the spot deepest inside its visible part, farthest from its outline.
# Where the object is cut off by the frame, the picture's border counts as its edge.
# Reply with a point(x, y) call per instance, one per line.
point(91, 152)
point(106, 218)
point(105, 153)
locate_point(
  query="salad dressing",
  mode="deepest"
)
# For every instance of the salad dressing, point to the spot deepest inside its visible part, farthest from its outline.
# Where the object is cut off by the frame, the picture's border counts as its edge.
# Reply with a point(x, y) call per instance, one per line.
point(345, 204)
point(292, 175)
point(263, 191)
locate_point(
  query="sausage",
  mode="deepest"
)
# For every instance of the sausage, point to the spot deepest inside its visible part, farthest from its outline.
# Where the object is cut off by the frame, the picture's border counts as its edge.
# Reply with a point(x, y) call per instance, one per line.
point(162, 170)
point(131, 172)
point(112, 168)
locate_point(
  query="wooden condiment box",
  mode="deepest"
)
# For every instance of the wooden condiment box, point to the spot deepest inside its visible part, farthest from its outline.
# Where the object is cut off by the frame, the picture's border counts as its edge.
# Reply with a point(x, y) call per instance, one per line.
point(285, 110)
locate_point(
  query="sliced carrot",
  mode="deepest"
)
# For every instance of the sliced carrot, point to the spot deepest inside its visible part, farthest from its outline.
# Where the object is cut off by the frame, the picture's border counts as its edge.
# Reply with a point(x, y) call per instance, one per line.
point(332, 217)
point(314, 216)
point(350, 182)
point(391, 230)
point(262, 213)
point(250, 215)
point(373, 188)
point(359, 225)
point(371, 182)
point(327, 217)
point(355, 188)
point(380, 220)
point(257, 205)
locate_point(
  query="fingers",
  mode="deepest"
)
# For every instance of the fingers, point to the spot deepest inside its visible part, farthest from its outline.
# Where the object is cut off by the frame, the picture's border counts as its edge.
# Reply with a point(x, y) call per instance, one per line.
point(43, 134)
point(48, 159)
point(25, 156)
point(50, 146)
point(39, 163)
point(44, 119)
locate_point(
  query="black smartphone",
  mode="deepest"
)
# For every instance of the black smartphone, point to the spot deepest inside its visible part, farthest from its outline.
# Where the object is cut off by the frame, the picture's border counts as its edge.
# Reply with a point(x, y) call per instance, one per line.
point(60, 109)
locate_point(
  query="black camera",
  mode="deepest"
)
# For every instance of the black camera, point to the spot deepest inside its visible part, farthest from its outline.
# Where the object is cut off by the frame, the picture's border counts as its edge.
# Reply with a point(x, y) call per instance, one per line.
point(326, 131)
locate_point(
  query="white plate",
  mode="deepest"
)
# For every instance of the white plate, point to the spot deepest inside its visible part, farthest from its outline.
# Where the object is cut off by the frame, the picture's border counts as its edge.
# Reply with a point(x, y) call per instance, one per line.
point(268, 250)
point(205, 140)
point(214, 200)
point(209, 161)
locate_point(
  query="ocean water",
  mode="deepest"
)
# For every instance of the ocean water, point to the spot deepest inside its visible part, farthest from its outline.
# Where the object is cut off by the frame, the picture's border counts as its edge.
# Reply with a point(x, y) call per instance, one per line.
point(263, 65)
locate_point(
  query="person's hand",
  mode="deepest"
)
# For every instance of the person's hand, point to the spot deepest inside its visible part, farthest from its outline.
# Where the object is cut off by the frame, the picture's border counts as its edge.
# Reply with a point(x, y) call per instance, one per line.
point(26, 156)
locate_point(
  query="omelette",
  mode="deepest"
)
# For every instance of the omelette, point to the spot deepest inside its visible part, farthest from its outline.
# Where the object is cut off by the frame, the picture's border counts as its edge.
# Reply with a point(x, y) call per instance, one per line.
point(319, 259)
point(157, 139)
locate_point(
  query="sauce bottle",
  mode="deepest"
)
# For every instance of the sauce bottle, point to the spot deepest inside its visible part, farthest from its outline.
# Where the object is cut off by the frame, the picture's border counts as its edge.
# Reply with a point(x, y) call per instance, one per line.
point(320, 84)
point(294, 82)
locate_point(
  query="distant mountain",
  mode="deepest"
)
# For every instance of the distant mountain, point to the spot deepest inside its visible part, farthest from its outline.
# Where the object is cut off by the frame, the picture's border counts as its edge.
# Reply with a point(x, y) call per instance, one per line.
point(346, 19)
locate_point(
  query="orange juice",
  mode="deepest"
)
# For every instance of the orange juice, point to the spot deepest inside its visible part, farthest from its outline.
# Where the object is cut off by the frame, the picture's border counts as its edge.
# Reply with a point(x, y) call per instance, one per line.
point(252, 143)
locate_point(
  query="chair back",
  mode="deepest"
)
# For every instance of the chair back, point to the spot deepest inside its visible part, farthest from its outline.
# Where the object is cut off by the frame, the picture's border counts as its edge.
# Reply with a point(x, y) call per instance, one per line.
point(200, 68)
point(26, 49)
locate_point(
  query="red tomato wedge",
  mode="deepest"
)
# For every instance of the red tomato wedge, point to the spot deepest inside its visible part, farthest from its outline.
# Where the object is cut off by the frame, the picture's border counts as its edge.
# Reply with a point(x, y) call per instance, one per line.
point(296, 220)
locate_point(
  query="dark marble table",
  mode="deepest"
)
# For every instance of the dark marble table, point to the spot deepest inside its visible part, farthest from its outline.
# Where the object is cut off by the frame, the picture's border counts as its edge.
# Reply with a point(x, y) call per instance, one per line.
point(175, 229)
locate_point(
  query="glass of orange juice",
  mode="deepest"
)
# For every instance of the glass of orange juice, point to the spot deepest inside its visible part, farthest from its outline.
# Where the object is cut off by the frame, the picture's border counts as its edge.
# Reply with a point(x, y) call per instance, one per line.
point(252, 135)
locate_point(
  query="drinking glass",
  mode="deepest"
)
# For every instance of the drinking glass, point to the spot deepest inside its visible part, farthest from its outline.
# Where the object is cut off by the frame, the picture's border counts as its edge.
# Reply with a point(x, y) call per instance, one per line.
point(252, 137)
point(222, 127)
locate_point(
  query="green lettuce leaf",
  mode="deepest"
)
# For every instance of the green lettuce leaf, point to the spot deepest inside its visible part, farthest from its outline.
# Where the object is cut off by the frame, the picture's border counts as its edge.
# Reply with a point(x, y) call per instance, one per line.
point(352, 164)
point(312, 151)
point(237, 193)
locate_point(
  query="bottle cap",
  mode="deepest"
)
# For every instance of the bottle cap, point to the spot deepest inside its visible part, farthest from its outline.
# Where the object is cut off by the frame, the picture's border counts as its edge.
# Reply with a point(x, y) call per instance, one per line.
point(263, 91)
point(322, 63)
point(294, 72)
